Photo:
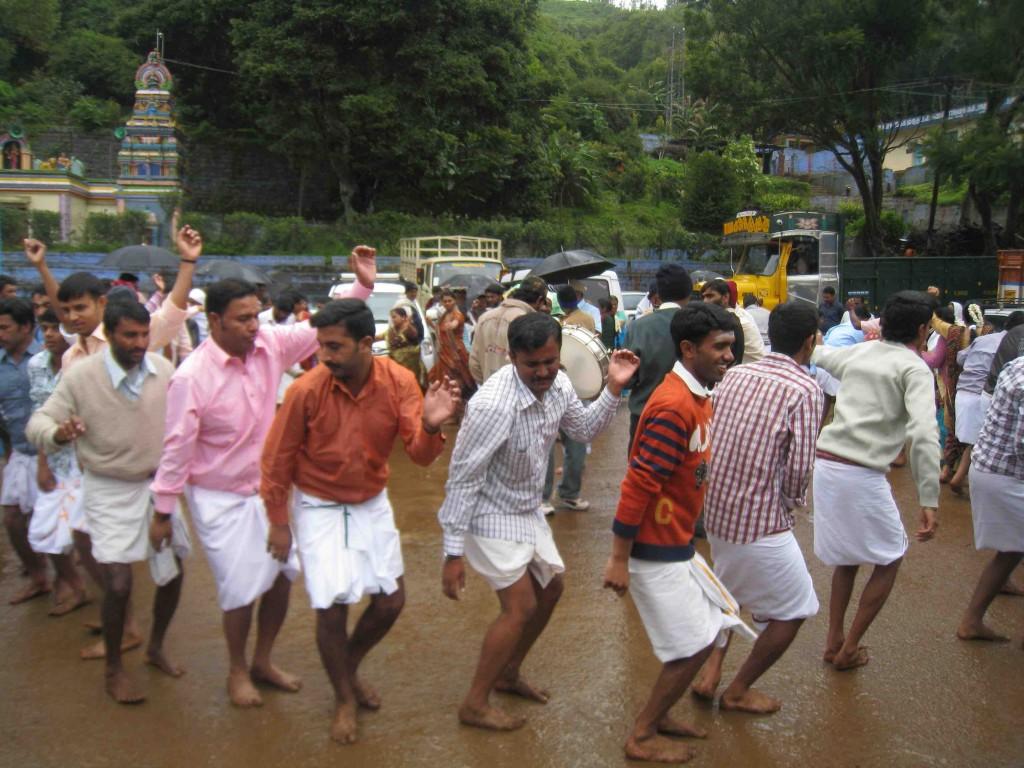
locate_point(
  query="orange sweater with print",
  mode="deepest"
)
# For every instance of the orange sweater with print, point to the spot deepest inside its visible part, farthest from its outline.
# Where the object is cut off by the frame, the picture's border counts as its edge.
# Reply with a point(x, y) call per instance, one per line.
point(663, 491)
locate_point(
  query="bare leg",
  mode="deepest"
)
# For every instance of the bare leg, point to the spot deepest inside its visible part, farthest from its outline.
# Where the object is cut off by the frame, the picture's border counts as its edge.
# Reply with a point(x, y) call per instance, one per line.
point(132, 634)
point(241, 690)
point(511, 681)
point(118, 587)
point(959, 479)
point(710, 676)
point(992, 579)
point(273, 609)
point(518, 605)
point(16, 524)
point(851, 655)
point(643, 742)
point(332, 642)
point(68, 575)
point(1012, 587)
point(843, 580)
point(165, 603)
point(770, 645)
point(376, 621)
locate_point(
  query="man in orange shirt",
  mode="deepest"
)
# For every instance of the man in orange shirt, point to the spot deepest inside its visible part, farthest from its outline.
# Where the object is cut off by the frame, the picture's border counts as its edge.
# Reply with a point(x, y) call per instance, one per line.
point(331, 440)
point(684, 609)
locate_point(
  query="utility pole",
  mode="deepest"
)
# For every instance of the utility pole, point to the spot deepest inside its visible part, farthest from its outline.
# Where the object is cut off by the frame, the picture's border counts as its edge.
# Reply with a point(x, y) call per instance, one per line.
point(935, 172)
point(682, 71)
point(670, 92)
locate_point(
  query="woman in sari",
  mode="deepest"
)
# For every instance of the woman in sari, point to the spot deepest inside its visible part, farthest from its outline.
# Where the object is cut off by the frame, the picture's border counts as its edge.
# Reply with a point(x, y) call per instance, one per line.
point(403, 340)
point(957, 339)
point(452, 357)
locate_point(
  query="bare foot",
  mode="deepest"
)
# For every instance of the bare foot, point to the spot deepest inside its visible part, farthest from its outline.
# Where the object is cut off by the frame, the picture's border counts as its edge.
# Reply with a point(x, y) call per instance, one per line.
point(99, 651)
point(29, 592)
point(655, 750)
point(705, 687)
point(156, 658)
point(1012, 588)
point(957, 488)
point(844, 662)
point(123, 689)
point(752, 700)
point(93, 627)
point(73, 603)
point(672, 727)
point(277, 678)
point(241, 691)
point(343, 728)
point(490, 718)
point(366, 695)
point(832, 649)
point(519, 687)
point(979, 631)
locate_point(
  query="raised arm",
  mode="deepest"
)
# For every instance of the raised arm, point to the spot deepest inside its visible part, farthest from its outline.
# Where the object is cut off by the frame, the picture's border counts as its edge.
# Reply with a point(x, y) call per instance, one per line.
point(35, 252)
point(190, 248)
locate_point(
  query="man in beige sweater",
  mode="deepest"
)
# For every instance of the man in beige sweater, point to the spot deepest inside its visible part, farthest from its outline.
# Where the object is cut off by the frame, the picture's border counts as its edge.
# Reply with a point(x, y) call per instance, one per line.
point(887, 396)
point(112, 406)
point(490, 339)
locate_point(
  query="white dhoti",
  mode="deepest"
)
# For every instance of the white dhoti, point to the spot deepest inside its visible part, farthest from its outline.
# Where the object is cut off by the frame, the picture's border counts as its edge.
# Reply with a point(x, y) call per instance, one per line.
point(347, 550)
point(503, 563)
point(856, 520)
point(683, 606)
point(997, 507)
point(20, 487)
point(233, 531)
point(49, 533)
point(768, 577)
point(118, 514)
point(970, 414)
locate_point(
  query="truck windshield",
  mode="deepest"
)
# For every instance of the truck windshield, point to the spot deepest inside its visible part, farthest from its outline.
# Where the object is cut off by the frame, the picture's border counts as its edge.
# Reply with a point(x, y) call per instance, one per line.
point(759, 259)
point(444, 271)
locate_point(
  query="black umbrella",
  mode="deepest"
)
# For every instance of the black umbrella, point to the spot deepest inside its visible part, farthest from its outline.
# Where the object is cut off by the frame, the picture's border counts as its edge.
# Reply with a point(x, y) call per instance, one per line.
point(146, 258)
point(233, 270)
point(564, 266)
point(705, 276)
point(474, 284)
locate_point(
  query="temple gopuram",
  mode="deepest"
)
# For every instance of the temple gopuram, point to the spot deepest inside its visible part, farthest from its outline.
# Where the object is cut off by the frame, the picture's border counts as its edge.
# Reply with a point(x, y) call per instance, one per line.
point(148, 163)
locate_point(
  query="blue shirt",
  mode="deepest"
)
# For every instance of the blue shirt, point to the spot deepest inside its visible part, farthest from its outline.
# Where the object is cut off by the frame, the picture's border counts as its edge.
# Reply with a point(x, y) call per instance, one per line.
point(15, 401)
point(128, 383)
point(843, 335)
point(829, 315)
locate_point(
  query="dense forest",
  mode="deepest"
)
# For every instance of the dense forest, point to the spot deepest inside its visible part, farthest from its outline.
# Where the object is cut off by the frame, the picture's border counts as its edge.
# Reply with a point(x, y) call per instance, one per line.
point(525, 115)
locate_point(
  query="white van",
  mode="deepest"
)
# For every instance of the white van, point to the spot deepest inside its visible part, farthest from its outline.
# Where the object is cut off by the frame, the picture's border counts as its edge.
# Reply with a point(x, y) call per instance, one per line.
point(386, 291)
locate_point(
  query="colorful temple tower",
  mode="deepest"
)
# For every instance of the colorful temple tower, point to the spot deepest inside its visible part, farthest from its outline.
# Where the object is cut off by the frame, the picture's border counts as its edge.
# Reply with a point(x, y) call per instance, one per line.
point(149, 155)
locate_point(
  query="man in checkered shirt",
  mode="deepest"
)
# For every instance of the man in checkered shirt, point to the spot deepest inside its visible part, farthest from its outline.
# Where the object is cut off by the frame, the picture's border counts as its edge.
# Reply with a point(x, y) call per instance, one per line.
point(492, 509)
point(766, 421)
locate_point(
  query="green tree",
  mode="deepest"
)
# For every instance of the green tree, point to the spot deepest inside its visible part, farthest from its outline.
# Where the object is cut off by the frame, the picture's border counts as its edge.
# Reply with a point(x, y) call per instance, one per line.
point(101, 63)
point(711, 192)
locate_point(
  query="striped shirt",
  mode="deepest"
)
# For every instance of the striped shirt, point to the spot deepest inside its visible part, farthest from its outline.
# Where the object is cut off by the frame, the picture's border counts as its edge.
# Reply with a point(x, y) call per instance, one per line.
point(501, 454)
point(766, 421)
point(1000, 446)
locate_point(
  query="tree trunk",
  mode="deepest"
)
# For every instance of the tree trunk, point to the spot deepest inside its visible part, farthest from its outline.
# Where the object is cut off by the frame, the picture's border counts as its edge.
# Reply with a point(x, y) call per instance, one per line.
point(302, 188)
point(1013, 216)
point(983, 204)
point(347, 193)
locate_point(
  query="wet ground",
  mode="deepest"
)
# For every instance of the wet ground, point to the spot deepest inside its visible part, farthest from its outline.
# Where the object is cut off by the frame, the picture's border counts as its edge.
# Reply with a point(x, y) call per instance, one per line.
point(926, 699)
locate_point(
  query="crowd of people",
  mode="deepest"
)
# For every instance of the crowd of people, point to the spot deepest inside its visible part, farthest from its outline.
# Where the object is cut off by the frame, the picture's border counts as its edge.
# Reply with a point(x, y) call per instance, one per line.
point(270, 430)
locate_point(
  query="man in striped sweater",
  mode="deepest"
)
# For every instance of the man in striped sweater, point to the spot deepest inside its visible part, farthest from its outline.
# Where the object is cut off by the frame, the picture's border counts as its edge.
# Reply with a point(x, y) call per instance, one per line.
point(767, 416)
point(684, 610)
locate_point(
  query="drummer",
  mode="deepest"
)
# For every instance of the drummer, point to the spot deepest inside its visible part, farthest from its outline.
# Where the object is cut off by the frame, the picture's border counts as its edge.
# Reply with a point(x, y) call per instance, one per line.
point(574, 453)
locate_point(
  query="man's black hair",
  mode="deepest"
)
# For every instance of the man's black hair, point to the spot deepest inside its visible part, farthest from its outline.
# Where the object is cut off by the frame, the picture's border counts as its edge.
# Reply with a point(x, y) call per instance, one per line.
point(38, 290)
point(605, 305)
point(80, 284)
point(673, 282)
point(695, 321)
point(49, 317)
point(287, 299)
point(6, 280)
point(862, 312)
point(220, 295)
point(19, 310)
point(789, 325)
point(719, 286)
point(123, 309)
point(749, 300)
point(351, 314)
point(829, 290)
point(567, 297)
point(527, 294)
point(533, 331)
point(904, 313)
point(1014, 319)
point(497, 288)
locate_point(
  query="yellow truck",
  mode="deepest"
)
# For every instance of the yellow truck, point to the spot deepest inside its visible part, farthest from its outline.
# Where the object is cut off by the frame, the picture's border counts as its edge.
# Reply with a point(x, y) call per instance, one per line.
point(433, 261)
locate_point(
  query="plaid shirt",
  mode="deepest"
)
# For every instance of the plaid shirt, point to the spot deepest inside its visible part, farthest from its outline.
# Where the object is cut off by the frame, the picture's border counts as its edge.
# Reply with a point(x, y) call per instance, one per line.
point(1000, 446)
point(497, 468)
point(766, 421)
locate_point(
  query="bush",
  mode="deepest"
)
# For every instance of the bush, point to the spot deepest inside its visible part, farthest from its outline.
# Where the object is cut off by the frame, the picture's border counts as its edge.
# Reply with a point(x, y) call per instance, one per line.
point(109, 231)
point(14, 225)
point(45, 226)
point(711, 192)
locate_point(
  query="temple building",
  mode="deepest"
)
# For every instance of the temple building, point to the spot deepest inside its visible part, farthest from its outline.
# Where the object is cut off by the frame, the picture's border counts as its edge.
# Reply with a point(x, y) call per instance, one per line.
point(148, 162)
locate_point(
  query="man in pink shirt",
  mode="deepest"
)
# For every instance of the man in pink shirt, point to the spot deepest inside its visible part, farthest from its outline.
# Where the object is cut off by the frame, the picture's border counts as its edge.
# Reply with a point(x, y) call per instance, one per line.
point(220, 406)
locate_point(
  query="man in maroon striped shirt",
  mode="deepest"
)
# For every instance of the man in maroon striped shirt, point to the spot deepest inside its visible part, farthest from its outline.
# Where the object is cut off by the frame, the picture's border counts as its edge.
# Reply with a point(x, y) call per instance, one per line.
point(766, 421)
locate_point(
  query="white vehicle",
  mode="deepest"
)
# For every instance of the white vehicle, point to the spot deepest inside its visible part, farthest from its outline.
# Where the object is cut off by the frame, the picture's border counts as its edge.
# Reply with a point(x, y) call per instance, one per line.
point(630, 299)
point(385, 294)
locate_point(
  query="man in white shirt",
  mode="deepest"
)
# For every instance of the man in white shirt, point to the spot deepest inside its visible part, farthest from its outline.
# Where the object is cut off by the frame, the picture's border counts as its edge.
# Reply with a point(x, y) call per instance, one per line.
point(491, 512)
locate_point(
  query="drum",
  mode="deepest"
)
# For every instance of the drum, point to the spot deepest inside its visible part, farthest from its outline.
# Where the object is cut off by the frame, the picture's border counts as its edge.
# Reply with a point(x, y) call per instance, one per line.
point(585, 360)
